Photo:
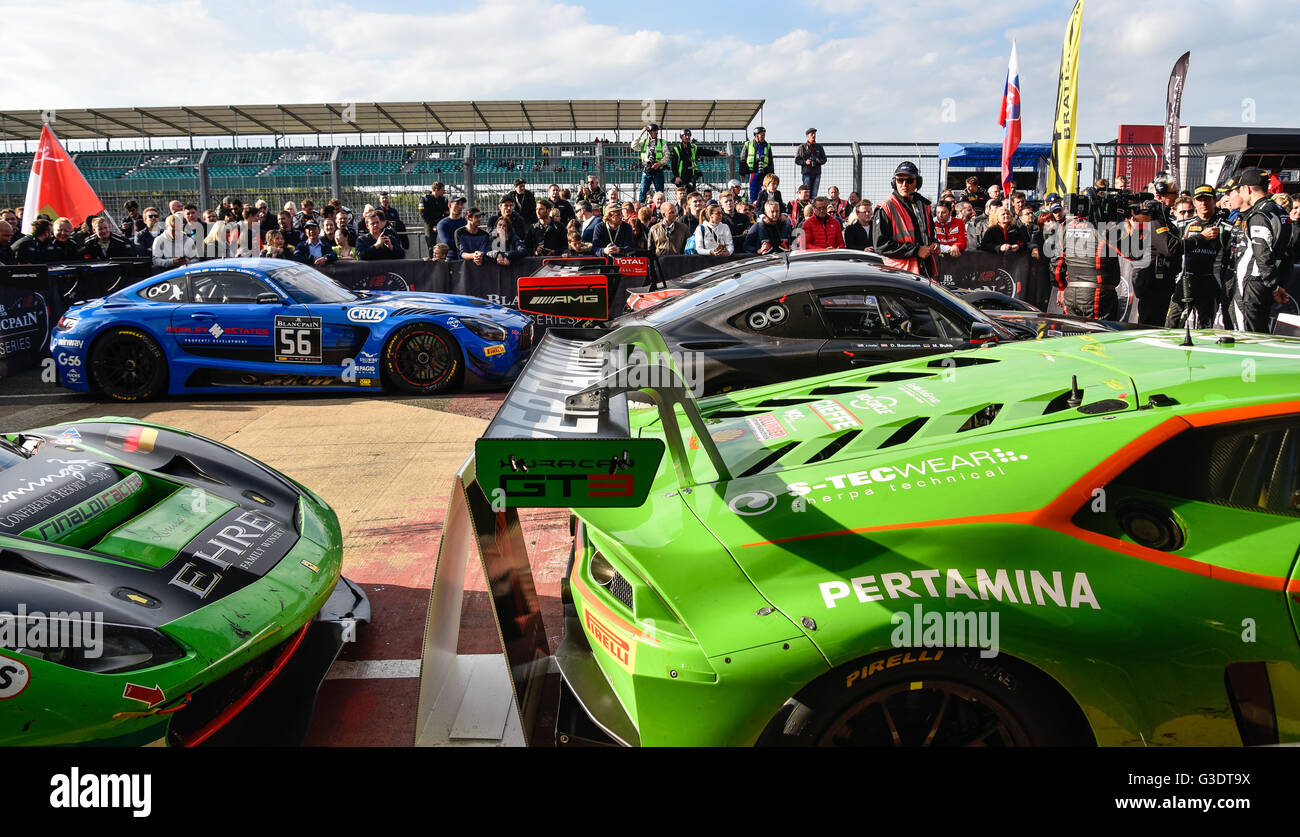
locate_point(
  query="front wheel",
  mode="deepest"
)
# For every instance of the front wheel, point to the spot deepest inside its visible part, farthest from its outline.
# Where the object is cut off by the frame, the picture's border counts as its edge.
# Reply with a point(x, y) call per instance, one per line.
point(128, 365)
point(937, 697)
point(422, 359)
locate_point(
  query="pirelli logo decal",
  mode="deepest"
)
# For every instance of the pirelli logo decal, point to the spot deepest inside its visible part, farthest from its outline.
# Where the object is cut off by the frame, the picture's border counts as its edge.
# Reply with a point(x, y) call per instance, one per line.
point(623, 652)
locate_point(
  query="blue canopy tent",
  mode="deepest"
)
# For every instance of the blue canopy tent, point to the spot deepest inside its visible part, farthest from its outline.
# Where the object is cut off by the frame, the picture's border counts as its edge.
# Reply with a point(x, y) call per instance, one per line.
point(988, 155)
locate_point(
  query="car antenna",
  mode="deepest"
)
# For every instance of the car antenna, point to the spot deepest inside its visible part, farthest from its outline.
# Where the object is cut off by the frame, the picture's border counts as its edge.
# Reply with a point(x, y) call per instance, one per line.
point(1076, 394)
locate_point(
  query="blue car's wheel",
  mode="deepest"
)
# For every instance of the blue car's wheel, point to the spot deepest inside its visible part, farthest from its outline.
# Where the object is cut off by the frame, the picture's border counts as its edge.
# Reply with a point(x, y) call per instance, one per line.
point(422, 359)
point(128, 365)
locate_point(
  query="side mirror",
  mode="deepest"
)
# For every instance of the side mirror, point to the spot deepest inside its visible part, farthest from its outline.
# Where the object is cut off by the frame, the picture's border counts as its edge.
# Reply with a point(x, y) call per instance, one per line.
point(982, 333)
point(268, 298)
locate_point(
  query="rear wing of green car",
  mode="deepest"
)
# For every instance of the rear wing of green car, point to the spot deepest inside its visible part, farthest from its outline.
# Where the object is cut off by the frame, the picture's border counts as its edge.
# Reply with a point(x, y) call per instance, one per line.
point(562, 436)
point(561, 439)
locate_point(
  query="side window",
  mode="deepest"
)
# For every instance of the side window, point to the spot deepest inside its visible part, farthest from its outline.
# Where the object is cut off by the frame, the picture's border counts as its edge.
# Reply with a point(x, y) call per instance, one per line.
point(789, 316)
point(865, 315)
point(219, 288)
point(1252, 466)
point(175, 289)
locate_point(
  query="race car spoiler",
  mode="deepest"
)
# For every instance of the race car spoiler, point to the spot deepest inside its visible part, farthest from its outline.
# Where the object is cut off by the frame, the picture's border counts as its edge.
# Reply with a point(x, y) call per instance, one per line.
point(562, 438)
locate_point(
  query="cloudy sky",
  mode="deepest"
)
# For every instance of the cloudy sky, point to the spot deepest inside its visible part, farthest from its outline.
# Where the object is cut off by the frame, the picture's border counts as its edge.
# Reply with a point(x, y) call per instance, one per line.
point(857, 69)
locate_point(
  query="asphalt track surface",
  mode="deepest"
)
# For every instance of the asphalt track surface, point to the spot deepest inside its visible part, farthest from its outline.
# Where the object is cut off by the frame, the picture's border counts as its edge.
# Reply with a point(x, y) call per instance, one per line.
point(385, 464)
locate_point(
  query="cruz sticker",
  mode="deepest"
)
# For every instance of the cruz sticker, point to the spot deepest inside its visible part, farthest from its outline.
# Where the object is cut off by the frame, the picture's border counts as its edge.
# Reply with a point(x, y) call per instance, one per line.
point(297, 339)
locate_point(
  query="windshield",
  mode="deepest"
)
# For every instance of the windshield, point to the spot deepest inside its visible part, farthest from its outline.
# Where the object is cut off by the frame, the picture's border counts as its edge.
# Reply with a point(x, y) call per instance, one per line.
point(694, 300)
point(711, 274)
point(306, 285)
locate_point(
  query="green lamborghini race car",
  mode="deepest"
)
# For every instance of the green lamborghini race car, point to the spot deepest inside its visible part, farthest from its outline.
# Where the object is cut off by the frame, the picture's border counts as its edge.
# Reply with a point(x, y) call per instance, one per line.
point(1087, 541)
point(160, 587)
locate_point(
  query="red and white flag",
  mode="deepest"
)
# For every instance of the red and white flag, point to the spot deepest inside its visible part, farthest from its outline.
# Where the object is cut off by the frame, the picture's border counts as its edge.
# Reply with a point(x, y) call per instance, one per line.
point(56, 188)
point(1009, 119)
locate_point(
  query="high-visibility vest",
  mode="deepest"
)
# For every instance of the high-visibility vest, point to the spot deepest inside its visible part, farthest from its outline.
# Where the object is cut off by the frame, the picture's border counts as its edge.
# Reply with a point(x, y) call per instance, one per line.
point(751, 149)
point(688, 165)
point(654, 151)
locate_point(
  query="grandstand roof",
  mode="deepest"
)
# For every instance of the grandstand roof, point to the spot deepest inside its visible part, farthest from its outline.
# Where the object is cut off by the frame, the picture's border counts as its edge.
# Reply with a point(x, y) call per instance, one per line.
point(375, 117)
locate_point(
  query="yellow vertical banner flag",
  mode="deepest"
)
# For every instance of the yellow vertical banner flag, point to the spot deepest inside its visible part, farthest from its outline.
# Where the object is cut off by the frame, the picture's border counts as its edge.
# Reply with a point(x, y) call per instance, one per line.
point(1064, 174)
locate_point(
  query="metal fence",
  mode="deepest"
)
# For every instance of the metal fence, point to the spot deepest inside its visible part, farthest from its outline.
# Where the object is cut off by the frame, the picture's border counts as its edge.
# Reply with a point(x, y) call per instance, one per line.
point(483, 171)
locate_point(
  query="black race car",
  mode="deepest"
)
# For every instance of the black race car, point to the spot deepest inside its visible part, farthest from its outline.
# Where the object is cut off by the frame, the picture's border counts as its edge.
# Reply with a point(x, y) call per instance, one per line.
point(790, 319)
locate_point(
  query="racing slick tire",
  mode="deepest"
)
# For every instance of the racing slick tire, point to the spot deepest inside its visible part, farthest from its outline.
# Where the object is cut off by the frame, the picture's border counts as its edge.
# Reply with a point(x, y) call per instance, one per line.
point(128, 365)
point(933, 697)
point(422, 359)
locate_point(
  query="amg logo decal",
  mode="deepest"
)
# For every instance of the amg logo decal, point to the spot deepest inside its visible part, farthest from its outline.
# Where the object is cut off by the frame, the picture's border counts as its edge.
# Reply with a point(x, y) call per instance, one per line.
point(549, 299)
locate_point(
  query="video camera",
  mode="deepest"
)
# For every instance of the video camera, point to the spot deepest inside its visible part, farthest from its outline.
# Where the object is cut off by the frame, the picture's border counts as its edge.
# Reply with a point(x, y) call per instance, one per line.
point(1102, 206)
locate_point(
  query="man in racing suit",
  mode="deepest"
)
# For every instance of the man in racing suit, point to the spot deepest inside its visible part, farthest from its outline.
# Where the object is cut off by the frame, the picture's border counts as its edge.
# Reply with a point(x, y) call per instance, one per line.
point(902, 228)
point(1087, 271)
point(1258, 253)
point(1202, 245)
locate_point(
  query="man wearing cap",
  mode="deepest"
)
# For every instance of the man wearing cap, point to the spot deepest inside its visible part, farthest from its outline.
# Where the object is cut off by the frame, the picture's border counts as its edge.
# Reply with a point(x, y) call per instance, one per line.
point(433, 208)
point(810, 158)
point(446, 229)
point(1259, 251)
point(313, 250)
point(902, 228)
point(756, 161)
point(684, 162)
point(525, 205)
point(654, 159)
point(1202, 243)
point(612, 237)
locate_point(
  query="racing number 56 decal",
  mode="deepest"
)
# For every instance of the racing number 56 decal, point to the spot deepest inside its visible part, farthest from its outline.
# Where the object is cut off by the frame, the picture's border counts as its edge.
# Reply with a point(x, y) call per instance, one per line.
point(297, 339)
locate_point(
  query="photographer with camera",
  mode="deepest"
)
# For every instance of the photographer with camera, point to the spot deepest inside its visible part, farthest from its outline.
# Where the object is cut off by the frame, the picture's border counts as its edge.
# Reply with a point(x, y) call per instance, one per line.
point(1197, 294)
point(1087, 268)
point(1151, 243)
point(1259, 250)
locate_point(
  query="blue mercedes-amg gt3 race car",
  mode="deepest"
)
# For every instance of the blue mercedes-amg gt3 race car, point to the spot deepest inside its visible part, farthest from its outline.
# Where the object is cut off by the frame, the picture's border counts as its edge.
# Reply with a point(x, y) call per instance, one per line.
point(251, 324)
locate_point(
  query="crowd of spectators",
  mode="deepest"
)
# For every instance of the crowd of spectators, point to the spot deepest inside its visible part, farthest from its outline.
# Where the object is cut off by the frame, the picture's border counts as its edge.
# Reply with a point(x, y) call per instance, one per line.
point(587, 220)
point(182, 234)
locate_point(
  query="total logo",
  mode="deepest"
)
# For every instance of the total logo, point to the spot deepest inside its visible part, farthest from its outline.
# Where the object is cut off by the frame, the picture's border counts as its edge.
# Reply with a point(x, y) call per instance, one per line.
point(882, 405)
point(367, 314)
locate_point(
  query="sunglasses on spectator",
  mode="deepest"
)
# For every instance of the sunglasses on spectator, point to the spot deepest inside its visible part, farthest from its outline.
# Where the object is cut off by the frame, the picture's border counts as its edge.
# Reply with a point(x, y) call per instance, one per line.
point(152, 215)
point(904, 179)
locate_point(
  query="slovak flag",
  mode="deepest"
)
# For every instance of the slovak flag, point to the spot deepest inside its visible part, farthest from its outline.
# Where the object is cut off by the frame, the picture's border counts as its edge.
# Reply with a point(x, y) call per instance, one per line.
point(1009, 119)
point(56, 188)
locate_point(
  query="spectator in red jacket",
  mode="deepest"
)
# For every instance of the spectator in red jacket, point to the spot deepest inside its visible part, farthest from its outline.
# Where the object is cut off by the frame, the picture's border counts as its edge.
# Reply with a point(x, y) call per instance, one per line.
point(822, 231)
point(950, 232)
